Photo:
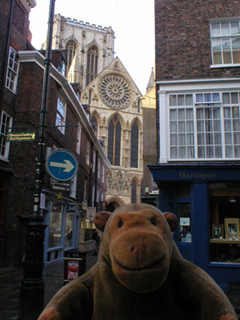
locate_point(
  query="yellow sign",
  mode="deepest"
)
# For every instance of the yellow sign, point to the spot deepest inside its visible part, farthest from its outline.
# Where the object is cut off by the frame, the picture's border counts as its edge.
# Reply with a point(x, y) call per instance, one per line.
point(20, 136)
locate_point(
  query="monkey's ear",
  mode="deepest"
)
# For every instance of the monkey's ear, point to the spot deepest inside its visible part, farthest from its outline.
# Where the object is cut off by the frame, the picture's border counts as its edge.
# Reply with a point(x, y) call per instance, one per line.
point(172, 220)
point(101, 219)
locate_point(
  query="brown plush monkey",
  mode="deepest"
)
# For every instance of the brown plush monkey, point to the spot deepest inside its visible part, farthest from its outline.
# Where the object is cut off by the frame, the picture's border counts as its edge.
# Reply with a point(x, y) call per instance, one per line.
point(140, 275)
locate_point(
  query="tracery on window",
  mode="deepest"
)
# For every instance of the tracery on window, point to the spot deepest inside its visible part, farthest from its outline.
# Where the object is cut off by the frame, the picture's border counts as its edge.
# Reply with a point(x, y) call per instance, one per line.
point(92, 64)
point(114, 141)
point(71, 51)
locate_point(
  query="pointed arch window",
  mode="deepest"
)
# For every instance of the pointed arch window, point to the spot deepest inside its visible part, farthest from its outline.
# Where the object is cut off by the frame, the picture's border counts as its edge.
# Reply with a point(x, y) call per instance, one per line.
point(92, 64)
point(134, 192)
point(94, 125)
point(71, 51)
point(114, 141)
point(134, 146)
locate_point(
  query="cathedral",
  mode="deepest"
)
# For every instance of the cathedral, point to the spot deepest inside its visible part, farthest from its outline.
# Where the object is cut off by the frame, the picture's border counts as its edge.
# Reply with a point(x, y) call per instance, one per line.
point(113, 99)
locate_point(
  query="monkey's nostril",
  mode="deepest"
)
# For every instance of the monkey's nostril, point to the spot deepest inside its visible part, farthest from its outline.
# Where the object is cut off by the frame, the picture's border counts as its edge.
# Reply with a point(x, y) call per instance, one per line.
point(132, 248)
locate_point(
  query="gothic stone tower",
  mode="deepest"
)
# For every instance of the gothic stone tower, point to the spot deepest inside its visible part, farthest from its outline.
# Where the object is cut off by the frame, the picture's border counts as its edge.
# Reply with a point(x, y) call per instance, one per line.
point(114, 101)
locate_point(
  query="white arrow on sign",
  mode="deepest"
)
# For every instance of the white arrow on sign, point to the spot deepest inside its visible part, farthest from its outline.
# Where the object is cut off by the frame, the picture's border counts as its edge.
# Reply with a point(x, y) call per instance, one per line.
point(68, 166)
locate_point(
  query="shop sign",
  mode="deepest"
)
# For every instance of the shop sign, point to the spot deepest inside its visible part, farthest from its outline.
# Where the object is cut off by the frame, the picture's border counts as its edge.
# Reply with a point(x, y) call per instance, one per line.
point(20, 136)
point(72, 208)
point(42, 201)
point(72, 271)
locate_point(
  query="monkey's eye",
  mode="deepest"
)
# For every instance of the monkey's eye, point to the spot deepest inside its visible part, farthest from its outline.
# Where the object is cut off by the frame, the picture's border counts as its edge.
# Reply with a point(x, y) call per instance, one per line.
point(120, 223)
point(153, 221)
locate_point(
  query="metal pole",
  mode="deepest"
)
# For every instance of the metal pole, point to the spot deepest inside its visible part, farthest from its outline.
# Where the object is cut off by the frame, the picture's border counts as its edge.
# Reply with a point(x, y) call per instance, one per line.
point(32, 289)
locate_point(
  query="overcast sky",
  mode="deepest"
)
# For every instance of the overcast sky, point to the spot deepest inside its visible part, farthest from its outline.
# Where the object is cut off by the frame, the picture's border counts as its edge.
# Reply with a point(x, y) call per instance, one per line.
point(131, 20)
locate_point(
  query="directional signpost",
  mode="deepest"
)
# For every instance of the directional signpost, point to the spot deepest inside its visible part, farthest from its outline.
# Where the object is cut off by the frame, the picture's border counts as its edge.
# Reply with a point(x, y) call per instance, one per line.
point(62, 165)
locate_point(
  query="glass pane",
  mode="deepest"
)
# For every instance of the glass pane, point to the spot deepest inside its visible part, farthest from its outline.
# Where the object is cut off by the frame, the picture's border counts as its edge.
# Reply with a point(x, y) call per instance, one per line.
point(173, 139)
point(182, 140)
point(173, 114)
point(182, 152)
point(229, 151)
point(173, 153)
point(180, 100)
point(172, 100)
point(189, 114)
point(216, 46)
point(218, 152)
point(181, 114)
point(181, 126)
point(225, 28)
point(227, 57)
point(235, 28)
point(190, 152)
point(236, 50)
point(68, 239)
point(199, 97)
point(216, 97)
point(207, 97)
point(237, 151)
point(228, 138)
point(236, 125)
point(184, 216)
point(189, 100)
point(226, 98)
point(173, 126)
point(215, 29)
point(201, 152)
point(234, 97)
point(55, 226)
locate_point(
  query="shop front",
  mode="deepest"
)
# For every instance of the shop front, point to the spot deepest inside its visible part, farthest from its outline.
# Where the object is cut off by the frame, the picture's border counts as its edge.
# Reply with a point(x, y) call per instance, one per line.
point(206, 200)
point(62, 231)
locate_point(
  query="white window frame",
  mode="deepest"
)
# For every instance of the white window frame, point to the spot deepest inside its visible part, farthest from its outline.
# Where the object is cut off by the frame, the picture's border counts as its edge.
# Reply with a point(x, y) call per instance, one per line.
point(4, 129)
point(12, 70)
point(222, 37)
point(222, 140)
point(61, 114)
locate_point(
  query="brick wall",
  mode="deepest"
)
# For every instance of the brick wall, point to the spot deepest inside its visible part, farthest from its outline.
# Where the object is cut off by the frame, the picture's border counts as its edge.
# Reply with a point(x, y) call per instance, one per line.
point(183, 47)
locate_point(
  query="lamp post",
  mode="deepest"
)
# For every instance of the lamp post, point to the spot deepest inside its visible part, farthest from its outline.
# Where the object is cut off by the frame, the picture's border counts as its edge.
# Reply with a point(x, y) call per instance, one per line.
point(32, 289)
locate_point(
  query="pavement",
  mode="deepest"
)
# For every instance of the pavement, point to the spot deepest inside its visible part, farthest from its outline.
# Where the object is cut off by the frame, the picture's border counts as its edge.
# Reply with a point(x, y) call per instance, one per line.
point(10, 282)
point(53, 275)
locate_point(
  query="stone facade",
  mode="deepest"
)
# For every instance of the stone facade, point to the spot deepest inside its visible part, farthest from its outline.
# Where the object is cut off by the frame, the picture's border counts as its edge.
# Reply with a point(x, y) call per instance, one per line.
point(120, 99)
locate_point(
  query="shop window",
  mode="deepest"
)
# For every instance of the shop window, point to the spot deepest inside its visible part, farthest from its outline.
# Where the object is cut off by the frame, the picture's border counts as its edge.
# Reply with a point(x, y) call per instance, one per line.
point(184, 216)
point(55, 226)
point(68, 236)
point(225, 229)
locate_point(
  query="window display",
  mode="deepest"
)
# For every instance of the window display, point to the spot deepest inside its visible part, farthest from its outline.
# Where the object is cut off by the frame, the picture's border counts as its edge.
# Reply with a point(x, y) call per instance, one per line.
point(225, 229)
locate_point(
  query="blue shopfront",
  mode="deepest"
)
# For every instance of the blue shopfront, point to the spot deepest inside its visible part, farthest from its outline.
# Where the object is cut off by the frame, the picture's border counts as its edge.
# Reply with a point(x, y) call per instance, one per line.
point(206, 200)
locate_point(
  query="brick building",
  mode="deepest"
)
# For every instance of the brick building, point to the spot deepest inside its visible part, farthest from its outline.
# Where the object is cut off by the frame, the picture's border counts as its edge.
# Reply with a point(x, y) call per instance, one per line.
point(67, 205)
point(198, 93)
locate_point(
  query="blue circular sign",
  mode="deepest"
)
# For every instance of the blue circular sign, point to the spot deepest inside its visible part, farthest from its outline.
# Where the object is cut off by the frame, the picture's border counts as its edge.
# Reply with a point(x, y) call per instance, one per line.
point(62, 165)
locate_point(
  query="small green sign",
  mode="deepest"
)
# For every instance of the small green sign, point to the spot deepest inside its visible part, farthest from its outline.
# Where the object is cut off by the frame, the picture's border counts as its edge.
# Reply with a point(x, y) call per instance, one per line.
point(20, 136)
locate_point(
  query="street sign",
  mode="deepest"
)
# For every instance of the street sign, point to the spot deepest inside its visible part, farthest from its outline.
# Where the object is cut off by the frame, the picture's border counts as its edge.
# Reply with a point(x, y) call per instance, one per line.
point(62, 165)
point(20, 136)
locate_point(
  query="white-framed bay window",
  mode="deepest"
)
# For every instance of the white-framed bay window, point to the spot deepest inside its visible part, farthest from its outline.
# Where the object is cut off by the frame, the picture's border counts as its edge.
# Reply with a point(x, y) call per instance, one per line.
point(204, 126)
point(225, 41)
